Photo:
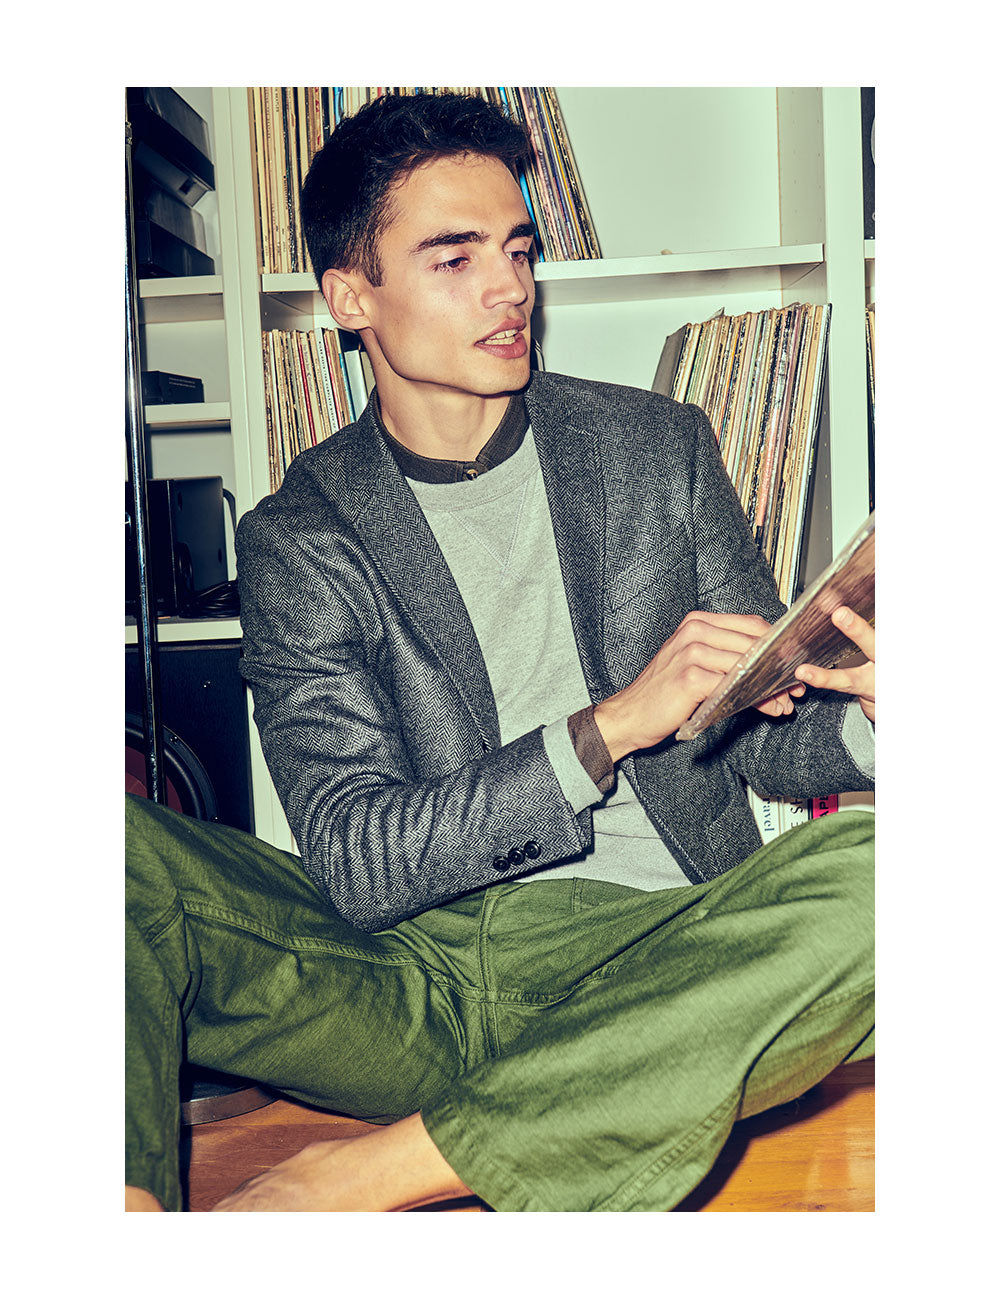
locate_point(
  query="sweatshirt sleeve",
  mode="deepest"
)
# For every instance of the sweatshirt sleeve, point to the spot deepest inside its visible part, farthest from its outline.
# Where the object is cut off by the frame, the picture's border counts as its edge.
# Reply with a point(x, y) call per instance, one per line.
point(579, 758)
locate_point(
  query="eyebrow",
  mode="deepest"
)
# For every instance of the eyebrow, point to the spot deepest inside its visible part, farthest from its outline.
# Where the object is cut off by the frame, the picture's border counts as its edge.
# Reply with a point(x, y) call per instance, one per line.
point(444, 238)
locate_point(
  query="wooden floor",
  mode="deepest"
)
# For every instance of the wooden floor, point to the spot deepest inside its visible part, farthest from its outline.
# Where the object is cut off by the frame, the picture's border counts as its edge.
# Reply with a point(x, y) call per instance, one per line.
point(813, 1154)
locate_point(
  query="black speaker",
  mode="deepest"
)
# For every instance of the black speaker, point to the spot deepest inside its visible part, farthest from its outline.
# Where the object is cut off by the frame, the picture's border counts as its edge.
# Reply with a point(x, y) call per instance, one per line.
point(206, 739)
point(187, 542)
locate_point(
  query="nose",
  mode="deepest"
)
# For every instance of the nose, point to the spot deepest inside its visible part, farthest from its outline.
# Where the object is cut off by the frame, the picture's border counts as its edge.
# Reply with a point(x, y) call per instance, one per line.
point(509, 282)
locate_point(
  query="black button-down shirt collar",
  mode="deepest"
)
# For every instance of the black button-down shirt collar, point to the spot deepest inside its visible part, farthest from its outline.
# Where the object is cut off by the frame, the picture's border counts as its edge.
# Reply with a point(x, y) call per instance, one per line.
point(502, 443)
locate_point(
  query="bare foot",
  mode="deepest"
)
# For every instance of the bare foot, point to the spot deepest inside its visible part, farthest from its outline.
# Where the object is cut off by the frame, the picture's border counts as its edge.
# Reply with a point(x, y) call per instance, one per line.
point(392, 1168)
point(137, 1198)
point(306, 1181)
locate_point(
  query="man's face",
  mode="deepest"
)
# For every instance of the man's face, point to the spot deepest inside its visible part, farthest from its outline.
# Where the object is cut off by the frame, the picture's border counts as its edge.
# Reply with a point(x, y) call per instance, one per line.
point(453, 312)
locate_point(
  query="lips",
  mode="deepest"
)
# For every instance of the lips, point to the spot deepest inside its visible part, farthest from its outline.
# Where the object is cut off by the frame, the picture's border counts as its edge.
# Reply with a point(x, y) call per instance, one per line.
point(507, 341)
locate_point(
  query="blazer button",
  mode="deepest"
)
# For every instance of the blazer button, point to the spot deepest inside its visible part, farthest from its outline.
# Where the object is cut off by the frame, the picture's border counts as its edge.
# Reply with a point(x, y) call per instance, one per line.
point(500, 864)
point(515, 857)
point(531, 849)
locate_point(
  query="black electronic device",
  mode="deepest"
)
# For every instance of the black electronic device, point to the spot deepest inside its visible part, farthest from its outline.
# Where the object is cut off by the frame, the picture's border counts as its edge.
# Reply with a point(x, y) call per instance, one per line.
point(170, 142)
point(205, 729)
point(187, 539)
point(171, 172)
point(159, 388)
point(153, 203)
point(160, 254)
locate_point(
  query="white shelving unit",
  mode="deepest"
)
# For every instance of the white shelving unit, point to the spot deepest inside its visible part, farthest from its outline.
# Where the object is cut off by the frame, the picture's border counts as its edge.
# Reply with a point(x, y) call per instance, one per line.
point(174, 630)
point(756, 192)
point(188, 415)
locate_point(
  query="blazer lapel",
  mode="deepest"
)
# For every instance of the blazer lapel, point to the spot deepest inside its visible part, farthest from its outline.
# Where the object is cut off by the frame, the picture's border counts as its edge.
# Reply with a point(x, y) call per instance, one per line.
point(571, 473)
point(400, 541)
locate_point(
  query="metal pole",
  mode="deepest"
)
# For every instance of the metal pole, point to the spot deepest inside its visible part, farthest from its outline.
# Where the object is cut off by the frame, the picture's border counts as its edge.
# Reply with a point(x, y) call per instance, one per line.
point(136, 428)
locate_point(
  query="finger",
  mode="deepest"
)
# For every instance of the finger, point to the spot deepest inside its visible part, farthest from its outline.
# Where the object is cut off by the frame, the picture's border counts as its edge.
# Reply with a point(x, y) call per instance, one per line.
point(751, 625)
point(827, 679)
point(713, 658)
point(858, 629)
point(778, 705)
point(696, 631)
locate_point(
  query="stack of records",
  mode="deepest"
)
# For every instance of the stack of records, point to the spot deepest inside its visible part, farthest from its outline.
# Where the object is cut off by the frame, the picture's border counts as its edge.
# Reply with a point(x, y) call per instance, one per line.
point(759, 379)
point(290, 124)
point(308, 393)
point(551, 183)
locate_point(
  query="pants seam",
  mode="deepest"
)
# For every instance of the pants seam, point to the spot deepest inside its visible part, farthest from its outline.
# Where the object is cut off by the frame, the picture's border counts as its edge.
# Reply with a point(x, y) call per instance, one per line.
point(303, 944)
point(297, 943)
point(158, 1175)
point(835, 999)
point(156, 929)
point(491, 1028)
point(509, 1184)
point(630, 1190)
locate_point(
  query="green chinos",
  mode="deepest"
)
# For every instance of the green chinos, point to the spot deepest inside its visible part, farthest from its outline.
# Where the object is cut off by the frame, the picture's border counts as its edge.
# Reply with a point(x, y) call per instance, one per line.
point(570, 1044)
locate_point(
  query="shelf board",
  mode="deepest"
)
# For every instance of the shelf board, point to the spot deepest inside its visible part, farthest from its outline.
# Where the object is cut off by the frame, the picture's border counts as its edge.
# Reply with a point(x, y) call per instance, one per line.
point(186, 416)
point(180, 298)
point(188, 629)
point(612, 279)
point(669, 275)
point(297, 291)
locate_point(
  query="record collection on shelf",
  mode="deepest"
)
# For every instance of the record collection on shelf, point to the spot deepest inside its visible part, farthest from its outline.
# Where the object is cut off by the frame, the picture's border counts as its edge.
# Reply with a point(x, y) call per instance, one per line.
point(309, 392)
point(759, 379)
point(289, 125)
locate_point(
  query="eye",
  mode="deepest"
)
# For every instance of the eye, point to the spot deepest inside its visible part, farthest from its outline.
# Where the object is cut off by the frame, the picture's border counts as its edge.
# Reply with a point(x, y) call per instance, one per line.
point(453, 264)
point(525, 256)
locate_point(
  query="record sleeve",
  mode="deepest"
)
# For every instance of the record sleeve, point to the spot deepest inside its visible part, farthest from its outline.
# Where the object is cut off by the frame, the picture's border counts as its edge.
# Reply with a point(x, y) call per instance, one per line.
point(803, 635)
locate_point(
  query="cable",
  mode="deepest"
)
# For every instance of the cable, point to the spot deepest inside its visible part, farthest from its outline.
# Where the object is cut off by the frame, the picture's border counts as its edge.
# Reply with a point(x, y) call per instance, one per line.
point(220, 601)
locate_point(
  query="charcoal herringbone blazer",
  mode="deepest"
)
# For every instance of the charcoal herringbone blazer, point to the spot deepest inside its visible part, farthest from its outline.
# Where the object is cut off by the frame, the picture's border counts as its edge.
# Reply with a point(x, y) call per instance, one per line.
point(370, 691)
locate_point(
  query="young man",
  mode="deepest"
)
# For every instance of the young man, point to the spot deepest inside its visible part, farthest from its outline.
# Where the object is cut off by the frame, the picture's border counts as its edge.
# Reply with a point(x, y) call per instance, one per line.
point(530, 932)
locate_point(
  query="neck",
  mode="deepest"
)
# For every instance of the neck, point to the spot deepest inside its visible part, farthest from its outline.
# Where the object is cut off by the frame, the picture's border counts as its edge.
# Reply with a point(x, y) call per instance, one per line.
point(444, 424)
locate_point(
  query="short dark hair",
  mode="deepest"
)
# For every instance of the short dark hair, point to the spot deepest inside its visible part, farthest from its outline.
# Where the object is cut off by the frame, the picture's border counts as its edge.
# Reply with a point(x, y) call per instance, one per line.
point(346, 198)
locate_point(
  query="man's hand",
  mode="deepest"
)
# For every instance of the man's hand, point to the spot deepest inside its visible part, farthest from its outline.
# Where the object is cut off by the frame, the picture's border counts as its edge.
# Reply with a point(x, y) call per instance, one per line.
point(859, 680)
point(685, 670)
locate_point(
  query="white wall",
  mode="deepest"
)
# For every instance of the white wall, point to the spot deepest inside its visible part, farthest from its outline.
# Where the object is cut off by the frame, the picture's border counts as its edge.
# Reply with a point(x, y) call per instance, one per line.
point(688, 169)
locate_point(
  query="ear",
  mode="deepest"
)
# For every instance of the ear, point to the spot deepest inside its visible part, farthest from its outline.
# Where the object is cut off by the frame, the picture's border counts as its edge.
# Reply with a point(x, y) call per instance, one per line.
point(342, 291)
